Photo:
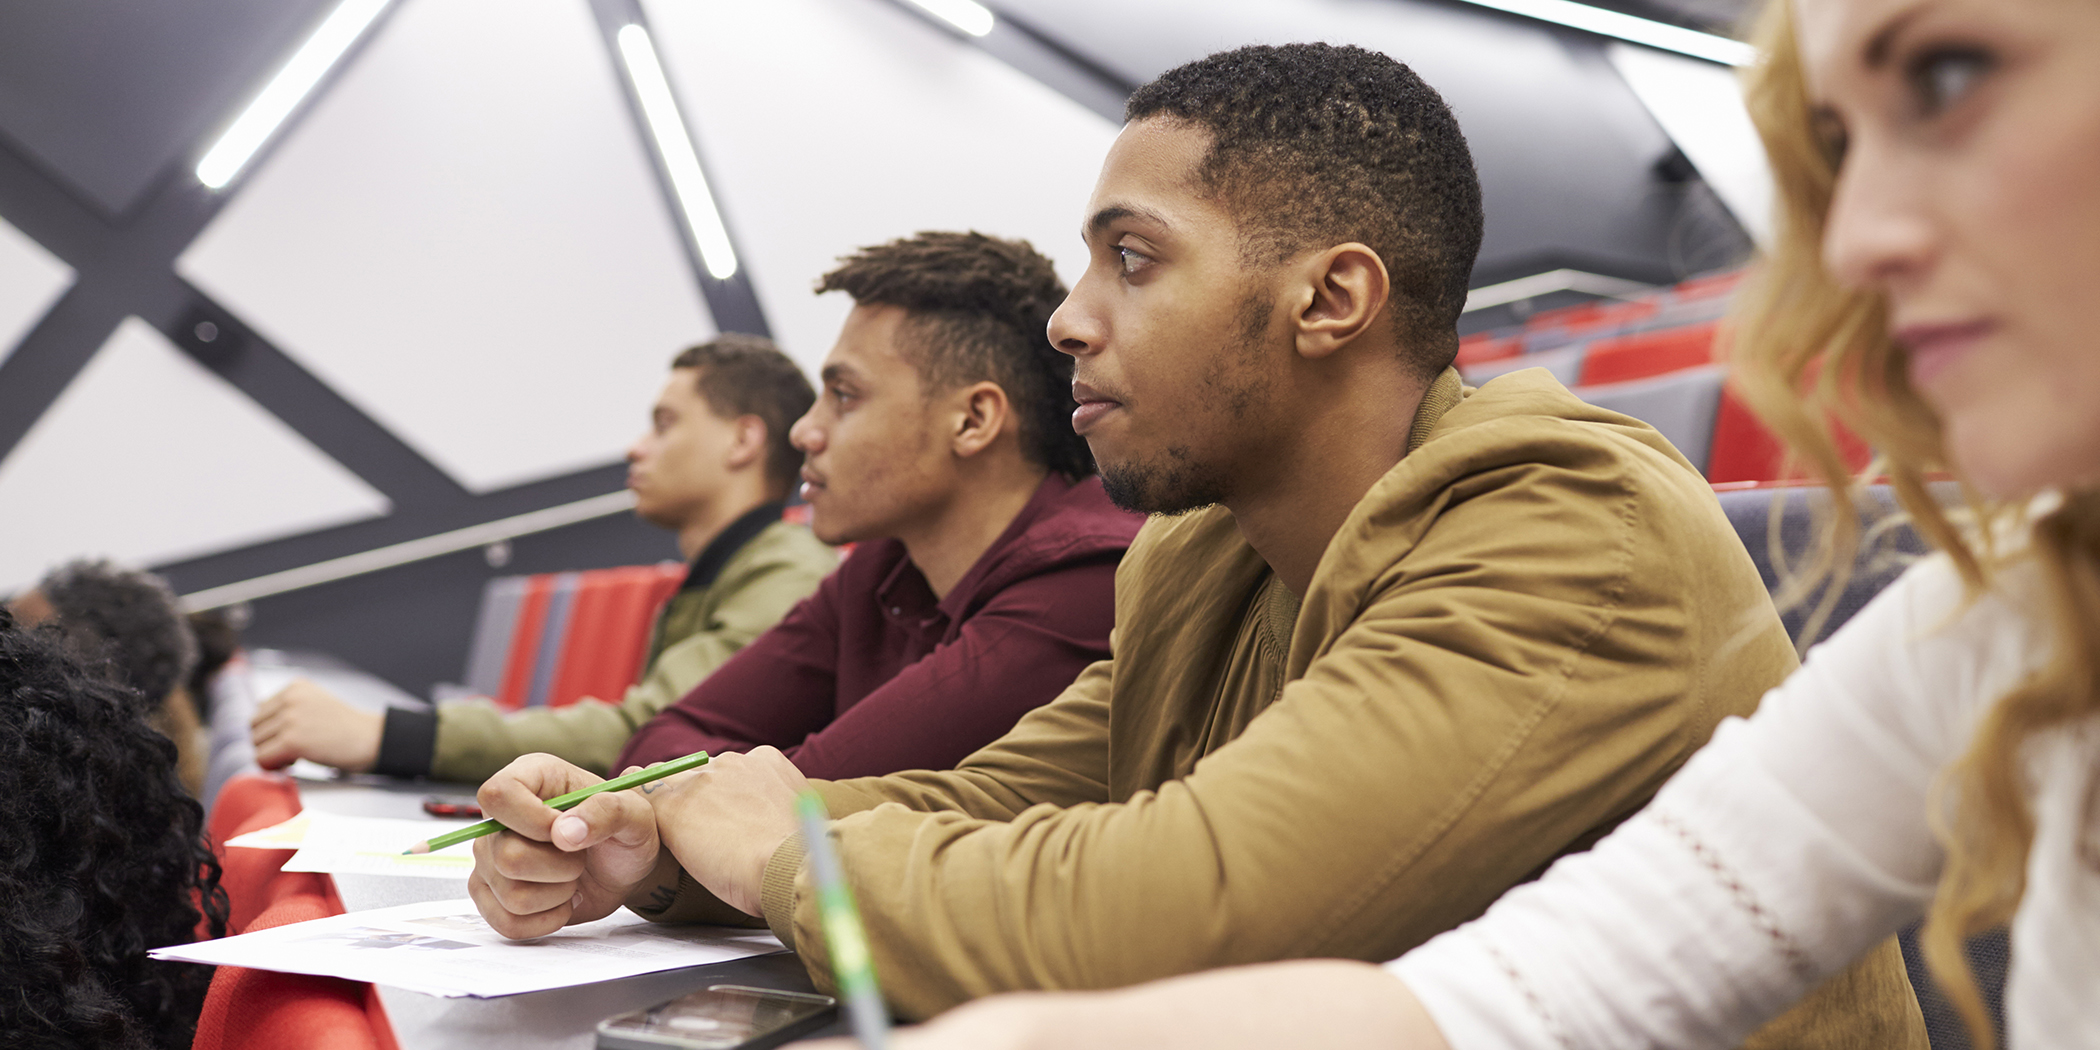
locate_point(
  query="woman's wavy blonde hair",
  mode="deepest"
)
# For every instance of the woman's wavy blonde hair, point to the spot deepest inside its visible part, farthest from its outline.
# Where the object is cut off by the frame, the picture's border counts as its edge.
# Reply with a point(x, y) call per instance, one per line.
point(1808, 352)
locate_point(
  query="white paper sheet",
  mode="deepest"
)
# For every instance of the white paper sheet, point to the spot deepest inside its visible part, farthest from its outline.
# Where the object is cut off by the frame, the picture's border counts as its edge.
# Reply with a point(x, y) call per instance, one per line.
point(342, 845)
point(290, 834)
point(444, 948)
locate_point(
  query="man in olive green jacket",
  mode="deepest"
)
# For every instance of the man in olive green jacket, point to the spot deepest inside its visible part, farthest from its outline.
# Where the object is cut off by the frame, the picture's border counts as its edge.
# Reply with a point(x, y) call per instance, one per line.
point(713, 467)
point(1395, 647)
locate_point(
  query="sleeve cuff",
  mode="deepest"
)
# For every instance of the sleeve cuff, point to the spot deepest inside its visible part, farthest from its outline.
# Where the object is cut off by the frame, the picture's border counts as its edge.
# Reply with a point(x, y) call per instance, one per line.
point(693, 904)
point(777, 892)
point(407, 744)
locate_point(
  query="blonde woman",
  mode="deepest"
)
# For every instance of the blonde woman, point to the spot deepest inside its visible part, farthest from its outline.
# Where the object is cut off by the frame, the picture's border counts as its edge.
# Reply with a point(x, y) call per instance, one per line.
point(1935, 288)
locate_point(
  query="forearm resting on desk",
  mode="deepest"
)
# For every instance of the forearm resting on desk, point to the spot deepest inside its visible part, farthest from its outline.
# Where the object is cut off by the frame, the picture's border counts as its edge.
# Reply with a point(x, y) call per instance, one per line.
point(1324, 1002)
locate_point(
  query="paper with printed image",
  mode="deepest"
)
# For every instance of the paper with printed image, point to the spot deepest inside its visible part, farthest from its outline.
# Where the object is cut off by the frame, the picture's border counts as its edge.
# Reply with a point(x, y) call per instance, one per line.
point(444, 948)
point(340, 845)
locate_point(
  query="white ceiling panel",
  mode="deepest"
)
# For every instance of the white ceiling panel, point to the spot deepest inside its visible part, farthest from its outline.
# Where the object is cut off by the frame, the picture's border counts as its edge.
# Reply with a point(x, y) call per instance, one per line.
point(31, 279)
point(147, 457)
point(465, 238)
point(832, 124)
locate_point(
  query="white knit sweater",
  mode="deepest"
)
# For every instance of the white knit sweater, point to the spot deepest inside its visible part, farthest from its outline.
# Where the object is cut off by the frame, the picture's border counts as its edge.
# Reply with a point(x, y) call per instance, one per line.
point(1792, 843)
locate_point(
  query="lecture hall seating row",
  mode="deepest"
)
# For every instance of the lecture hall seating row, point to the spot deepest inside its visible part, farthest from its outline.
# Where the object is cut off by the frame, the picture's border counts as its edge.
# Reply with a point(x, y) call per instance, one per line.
point(1654, 358)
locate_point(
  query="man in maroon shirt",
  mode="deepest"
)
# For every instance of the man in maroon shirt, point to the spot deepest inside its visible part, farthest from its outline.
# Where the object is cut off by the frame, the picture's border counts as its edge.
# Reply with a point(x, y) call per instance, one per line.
point(983, 581)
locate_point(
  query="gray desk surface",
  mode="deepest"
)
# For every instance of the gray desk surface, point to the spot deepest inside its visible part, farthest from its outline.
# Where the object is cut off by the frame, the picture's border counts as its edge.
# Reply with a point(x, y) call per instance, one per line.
point(566, 1018)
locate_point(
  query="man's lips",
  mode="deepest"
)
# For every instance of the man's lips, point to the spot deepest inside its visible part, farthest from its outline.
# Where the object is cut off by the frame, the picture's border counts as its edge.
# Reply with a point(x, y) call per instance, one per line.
point(811, 482)
point(1093, 405)
point(1931, 349)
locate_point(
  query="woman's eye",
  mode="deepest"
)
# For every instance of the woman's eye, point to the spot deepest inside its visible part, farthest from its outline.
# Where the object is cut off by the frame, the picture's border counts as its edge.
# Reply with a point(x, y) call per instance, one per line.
point(1831, 138)
point(1941, 79)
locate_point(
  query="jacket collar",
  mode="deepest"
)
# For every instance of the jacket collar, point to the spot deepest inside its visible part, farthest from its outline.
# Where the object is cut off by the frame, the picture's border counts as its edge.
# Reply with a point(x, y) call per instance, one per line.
point(707, 565)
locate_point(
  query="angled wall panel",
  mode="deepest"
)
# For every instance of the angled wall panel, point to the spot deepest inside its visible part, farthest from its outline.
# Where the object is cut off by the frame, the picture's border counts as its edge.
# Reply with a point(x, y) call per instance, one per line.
point(1564, 149)
point(31, 279)
point(464, 237)
point(148, 457)
point(1700, 105)
point(831, 124)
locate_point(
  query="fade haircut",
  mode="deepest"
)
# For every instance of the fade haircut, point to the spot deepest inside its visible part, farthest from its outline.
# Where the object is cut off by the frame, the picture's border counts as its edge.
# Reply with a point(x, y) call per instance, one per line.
point(126, 621)
point(979, 308)
point(746, 375)
point(1314, 145)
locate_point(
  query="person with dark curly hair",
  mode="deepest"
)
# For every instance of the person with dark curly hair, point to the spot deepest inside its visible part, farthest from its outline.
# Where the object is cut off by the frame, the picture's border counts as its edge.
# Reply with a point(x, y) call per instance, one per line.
point(983, 578)
point(103, 859)
point(1388, 647)
point(129, 623)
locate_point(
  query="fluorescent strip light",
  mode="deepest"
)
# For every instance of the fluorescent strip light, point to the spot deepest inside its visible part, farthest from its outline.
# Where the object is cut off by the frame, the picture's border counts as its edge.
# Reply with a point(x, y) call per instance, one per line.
point(285, 91)
point(1627, 27)
point(676, 148)
point(411, 551)
point(967, 15)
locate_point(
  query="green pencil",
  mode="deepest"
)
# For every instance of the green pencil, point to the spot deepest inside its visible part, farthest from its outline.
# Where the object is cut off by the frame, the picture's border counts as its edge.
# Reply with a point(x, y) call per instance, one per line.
point(851, 962)
point(568, 801)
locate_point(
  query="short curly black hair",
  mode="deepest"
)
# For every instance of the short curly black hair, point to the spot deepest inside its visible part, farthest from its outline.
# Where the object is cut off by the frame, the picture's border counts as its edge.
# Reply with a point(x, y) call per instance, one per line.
point(128, 619)
point(1314, 145)
point(982, 306)
point(103, 859)
point(747, 375)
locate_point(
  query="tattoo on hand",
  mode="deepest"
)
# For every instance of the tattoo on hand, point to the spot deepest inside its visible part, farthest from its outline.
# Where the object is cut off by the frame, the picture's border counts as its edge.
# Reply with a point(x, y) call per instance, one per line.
point(661, 897)
point(649, 789)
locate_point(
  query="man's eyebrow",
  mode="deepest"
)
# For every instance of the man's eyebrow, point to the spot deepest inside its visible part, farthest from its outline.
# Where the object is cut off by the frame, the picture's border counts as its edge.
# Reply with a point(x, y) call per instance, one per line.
point(832, 373)
point(1117, 212)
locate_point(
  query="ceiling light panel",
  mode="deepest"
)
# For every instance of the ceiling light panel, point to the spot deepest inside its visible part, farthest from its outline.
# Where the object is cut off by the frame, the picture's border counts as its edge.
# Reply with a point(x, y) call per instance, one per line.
point(466, 239)
point(261, 119)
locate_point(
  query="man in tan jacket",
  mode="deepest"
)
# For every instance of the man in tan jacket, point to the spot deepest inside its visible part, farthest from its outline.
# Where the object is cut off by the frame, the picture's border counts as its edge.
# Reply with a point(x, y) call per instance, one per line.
point(1391, 646)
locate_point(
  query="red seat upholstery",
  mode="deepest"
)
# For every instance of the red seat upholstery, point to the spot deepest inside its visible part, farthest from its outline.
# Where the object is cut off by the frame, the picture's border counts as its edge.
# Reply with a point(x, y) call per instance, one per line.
point(1743, 450)
point(1648, 354)
point(250, 802)
point(525, 642)
point(261, 1010)
point(1601, 315)
point(1476, 349)
point(608, 634)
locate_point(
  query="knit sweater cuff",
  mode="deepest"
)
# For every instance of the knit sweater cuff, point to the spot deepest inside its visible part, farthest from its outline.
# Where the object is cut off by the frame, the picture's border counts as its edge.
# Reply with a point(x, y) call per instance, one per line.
point(777, 891)
point(407, 743)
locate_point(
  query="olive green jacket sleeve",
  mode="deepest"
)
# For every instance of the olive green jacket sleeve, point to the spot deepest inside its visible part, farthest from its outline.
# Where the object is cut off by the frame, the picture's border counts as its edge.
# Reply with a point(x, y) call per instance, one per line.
point(780, 566)
point(1506, 671)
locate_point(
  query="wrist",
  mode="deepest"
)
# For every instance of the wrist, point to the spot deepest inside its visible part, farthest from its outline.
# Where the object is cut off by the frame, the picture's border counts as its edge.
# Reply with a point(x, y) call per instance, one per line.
point(658, 890)
point(371, 729)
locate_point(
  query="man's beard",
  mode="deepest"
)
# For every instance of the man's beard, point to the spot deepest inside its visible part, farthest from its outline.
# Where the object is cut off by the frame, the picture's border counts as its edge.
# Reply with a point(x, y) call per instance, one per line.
point(1175, 487)
point(1176, 482)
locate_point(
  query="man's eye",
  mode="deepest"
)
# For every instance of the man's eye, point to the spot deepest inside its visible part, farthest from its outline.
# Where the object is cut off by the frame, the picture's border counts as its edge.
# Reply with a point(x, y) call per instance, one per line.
point(1940, 79)
point(1131, 260)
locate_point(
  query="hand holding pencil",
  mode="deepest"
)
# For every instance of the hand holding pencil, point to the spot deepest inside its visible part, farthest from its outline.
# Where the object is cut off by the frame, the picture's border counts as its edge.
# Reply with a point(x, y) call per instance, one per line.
point(548, 869)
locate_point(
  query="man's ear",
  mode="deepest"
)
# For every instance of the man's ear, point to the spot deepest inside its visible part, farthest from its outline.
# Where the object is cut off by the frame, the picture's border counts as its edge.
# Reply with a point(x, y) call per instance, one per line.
point(747, 443)
point(1344, 291)
point(981, 411)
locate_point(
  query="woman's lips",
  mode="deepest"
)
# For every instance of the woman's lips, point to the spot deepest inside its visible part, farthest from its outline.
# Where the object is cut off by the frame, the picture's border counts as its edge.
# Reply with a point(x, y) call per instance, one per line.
point(1931, 349)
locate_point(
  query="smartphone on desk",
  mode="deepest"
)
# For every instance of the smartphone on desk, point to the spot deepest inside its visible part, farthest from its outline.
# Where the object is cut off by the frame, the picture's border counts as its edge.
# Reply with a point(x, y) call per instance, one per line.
point(718, 1017)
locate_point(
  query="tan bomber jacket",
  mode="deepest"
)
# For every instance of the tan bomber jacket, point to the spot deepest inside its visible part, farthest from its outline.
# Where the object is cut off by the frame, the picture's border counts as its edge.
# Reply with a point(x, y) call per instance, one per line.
point(1518, 634)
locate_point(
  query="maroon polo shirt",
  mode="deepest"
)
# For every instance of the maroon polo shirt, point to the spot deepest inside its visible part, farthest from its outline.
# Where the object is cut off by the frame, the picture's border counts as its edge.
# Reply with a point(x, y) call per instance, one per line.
point(872, 674)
